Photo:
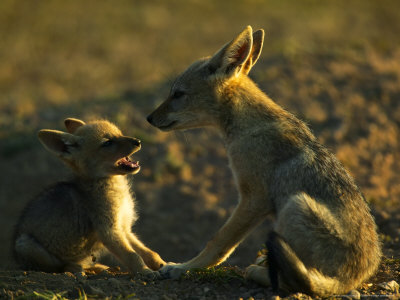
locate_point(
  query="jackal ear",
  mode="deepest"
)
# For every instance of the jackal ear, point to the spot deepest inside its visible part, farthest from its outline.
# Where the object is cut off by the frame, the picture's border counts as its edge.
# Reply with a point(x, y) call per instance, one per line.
point(258, 40)
point(73, 124)
point(58, 142)
point(230, 60)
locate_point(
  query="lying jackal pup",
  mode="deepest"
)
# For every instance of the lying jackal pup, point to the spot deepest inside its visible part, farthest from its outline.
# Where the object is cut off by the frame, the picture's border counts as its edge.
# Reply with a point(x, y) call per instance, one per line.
point(324, 241)
point(66, 225)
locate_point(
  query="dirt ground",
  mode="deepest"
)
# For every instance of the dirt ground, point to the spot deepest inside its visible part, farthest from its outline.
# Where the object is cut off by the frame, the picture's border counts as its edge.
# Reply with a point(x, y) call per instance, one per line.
point(218, 283)
point(336, 65)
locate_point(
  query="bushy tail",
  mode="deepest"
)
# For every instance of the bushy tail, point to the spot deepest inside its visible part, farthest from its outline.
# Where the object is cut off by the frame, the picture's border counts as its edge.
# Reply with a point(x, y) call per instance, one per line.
point(286, 267)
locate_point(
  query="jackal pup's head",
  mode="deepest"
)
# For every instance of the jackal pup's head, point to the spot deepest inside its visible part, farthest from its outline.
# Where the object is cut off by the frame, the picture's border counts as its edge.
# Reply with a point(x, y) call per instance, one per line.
point(93, 150)
point(196, 95)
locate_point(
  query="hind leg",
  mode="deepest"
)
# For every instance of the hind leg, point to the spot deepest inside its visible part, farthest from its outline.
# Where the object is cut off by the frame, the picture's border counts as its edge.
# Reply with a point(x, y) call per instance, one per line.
point(31, 254)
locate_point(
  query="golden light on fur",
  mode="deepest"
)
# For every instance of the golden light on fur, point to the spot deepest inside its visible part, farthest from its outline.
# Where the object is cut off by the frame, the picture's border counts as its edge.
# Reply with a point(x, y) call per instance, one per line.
point(325, 239)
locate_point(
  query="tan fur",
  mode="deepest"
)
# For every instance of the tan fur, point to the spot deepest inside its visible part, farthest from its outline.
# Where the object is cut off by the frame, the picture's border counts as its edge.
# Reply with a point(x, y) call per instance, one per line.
point(67, 224)
point(325, 239)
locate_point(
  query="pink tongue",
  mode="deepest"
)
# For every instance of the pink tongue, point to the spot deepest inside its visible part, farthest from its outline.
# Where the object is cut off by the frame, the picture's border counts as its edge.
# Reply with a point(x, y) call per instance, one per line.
point(128, 163)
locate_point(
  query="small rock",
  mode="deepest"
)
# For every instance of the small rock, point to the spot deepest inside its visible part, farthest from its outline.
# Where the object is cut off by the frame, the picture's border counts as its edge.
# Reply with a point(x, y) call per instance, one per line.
point(91, 290)
point(80, 276)
point(354, 294)
point(69, 274)
point(391, 286)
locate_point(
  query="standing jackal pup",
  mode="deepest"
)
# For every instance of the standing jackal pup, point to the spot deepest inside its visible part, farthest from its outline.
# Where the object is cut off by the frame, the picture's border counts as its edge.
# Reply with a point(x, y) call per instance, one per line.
point(65, 226)
point(324, 240)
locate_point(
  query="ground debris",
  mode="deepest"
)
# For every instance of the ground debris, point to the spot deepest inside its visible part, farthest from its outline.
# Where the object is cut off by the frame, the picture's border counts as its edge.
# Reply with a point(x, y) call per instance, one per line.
point(391, 286)
point(217, 283)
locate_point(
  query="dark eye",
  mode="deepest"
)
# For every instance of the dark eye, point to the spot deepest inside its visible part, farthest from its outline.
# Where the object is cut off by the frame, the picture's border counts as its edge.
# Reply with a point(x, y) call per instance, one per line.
point(107, 143)
point(177, 94)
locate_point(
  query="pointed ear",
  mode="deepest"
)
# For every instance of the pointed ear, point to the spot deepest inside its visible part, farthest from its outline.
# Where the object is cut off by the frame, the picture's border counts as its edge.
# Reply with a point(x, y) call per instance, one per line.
point(57, 142)
point(73, 124)
point(258, 40)
point(231, 58)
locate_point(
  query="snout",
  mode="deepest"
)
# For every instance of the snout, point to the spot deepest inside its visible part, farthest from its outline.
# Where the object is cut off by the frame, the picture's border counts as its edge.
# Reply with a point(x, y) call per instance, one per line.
point(125, 163)
point(161, 117)
point(135, 143)
point(161, 120)
point(129, 144)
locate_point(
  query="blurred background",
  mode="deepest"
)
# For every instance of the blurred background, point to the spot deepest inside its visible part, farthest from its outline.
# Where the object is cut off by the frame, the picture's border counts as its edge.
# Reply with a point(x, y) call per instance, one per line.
point(335, 64)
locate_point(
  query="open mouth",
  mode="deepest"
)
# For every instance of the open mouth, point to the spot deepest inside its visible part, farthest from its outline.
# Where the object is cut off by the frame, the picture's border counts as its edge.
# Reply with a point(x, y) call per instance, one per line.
point(128, 165)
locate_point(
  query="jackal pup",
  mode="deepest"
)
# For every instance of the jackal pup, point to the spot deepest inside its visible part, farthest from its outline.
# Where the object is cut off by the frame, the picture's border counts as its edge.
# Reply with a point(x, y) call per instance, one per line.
point(324, 241)
point(69, 223)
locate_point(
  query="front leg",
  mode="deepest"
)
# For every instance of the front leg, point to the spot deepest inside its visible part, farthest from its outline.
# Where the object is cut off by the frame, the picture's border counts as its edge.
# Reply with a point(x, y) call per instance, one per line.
point(151, 258)
point(243, 220)
point(117, 243)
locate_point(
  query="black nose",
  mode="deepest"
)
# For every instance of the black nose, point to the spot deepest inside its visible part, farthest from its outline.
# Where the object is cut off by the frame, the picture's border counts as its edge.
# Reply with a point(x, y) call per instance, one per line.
point(150, 119)
point(136, 142)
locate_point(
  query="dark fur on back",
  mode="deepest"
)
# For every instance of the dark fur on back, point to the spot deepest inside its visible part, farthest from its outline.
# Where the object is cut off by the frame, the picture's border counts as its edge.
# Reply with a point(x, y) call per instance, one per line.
point(51, 207)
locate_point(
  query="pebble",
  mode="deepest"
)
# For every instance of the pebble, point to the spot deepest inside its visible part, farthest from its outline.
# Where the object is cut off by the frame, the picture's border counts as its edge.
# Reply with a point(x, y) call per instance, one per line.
point(391, 286)
point(69, 274)
point(80, 276)
point(91, 290)
point(354, 294)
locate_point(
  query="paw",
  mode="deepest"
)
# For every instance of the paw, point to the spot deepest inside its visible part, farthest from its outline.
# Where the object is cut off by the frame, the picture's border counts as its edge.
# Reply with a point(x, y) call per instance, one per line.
point(252, 270)
point(147, 274)
point(154, 261)
point(172, 271)
point(258, 274)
